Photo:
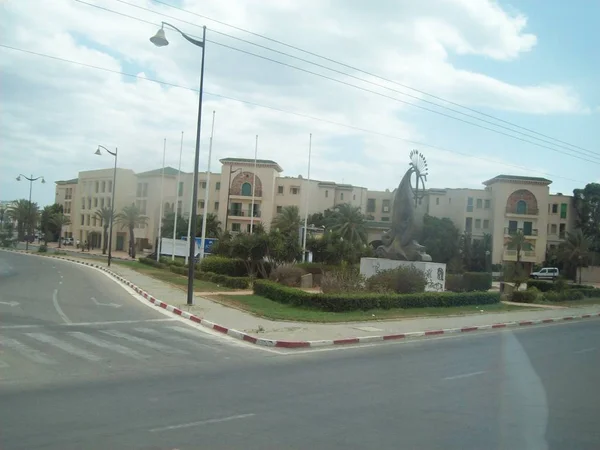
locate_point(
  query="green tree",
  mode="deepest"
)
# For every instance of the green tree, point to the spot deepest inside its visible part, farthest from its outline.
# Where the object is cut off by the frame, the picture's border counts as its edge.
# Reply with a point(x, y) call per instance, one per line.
point(213, 226)
point(283, 248)
point(131, 217)
point(349, 223)
point(104, 215)
point(518, 242)
point(575, 251)
point(182, 226)
point(440, 238)
point(58, 221)
point(288, 220)
point(47, 226)
point(26, 215)
point(587, 208)
point(252, 250)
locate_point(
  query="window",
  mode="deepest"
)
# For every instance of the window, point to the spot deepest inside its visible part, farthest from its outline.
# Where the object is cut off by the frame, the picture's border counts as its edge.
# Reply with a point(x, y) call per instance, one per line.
point(138, 192)
point(179, 207)
point(486, 224)
point(97, 186)
point(449, 201)
point(555, 208)
point(437, 200)
point(203, 185)
point(145, 190)
point(95, 202)
point(341, 196)
point(89, 203)
point(143, 207)
point(180, 189)
point(110, 186)
point(108, 202)
point(479, 203)
point(67, 207)
point(103, 188)
point(469, 224)
point(94, 221)
point(385, 219)
point(562, 228)
point(87, 220)
point(553, 228)
point(528, 228)
point(102, 202)
point(82, 219)
point(235, 227)
point(420, 201)
point(470, 204)
point(246, 189)
point(385, 206)
point(83, 204)
point(280, 190)
point(294, 190)
point(218, 186)
point(279, 209)
point(477, 224)
point(247, 228)
point(200, 204)
point(512, 226)
point(563, 210)
point(216, 206)
point(370, 205)
point(521, 207)
point(354, 197)
point(487, 204)
point(326, 193)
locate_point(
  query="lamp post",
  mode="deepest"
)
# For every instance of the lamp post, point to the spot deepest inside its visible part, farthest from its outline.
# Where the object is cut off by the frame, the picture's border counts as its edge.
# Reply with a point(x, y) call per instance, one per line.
point(231, 172)
point(31, 180)
point(112, 199)
point(160, 40)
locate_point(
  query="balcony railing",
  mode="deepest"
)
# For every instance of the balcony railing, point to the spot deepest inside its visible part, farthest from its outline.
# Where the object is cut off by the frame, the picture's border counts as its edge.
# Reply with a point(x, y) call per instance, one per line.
point(524, 253)
point(528, 212)
point(239, 213)
point(512, 231)
point(257, 193)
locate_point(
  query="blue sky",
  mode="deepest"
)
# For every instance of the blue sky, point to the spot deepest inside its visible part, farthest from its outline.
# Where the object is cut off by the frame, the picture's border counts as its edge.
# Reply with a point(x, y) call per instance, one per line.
point(530, 63)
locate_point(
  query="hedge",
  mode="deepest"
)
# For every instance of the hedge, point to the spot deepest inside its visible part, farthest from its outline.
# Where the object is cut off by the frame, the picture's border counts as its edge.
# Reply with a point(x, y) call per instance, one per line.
point(365, 302)
point(547, 286)
point(317, 268)
point(571, 295)
point(217, 278)
point(528, 296)
point(153, 263)
point(224, 266)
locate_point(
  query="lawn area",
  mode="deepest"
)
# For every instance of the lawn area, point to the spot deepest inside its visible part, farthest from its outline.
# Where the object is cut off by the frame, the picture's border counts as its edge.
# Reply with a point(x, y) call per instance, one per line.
point(263, 307)
point(574, 303)
point(174, 279)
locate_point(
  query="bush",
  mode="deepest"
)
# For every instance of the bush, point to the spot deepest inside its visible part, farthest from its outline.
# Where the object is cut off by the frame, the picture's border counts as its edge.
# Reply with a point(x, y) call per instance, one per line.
point(42, 248)
point(232, 267)
point(317, 268)
point(352, 302)
point(528, 296)
point(559, 285)
point(287, 274)
point(345, 279)
point(217, 278)
point(402, 280)
point(454, 282)
point(477, 281)
point(153, 263)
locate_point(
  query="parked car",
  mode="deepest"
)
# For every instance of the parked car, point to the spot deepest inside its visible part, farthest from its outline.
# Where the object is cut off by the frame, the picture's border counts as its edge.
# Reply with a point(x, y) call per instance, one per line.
point(67, 241)
point(546, 273)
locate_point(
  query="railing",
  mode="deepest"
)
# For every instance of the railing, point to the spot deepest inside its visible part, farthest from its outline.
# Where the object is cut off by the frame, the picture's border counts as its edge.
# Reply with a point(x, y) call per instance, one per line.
point(239, 213)
point(528, 212)
point(257, 193)
point(562, 235)
point(513, 231)
point(524, 253)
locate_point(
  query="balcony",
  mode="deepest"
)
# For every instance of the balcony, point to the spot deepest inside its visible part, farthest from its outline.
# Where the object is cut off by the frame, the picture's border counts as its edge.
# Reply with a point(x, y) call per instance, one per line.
point(243, 196)
point(512, 231)
point(243, 214)
point(529, 212)
point(526, 256)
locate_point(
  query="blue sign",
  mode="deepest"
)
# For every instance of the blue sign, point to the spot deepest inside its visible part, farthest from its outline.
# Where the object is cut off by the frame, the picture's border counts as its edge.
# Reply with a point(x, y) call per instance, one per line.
point(208, 243)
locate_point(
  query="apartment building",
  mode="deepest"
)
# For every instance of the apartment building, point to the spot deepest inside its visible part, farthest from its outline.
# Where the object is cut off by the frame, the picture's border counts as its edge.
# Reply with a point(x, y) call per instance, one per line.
point(248, 192)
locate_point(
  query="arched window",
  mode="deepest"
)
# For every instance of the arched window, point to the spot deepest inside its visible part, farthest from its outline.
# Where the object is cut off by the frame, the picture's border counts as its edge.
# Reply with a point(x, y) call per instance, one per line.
point(521, 207)
point(246, 189)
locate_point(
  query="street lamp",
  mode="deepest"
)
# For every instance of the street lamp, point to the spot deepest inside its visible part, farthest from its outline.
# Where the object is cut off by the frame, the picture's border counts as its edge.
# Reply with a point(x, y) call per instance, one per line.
point(31, 180)
point(160, 40)
point(231, 172)
point(112, 201)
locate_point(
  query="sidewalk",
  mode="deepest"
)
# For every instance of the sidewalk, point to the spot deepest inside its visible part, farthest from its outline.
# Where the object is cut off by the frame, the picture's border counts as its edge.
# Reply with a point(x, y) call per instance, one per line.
point(302, 331)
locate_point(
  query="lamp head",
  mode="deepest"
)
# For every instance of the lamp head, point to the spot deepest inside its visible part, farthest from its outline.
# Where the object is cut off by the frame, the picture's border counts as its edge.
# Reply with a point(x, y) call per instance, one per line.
point(43, 181)
point(98, 152)
point(159, 39)
point(19, 178)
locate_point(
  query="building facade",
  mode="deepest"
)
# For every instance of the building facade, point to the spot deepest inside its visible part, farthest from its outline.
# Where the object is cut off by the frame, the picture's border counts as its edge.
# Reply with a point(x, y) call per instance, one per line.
point(246, 192)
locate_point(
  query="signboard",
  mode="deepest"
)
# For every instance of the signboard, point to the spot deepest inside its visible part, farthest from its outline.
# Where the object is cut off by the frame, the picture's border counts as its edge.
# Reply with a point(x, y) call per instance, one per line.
point(181, 247)
point(208, 244)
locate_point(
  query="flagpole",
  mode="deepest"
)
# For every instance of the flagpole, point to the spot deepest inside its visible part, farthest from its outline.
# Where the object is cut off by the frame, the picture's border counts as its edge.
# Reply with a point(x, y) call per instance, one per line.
point(162, 182)
point(207, 190)
point(306, 195)
point(253, 186)
point(177, 200)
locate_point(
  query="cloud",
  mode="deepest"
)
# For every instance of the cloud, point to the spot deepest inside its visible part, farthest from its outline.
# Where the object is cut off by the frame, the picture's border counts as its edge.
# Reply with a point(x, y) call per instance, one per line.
point(55, 114)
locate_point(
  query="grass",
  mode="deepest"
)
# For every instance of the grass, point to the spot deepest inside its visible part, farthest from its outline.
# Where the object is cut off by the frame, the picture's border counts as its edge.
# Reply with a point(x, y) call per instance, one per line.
point(574, 303)
point(263, 307)
point(169, 277)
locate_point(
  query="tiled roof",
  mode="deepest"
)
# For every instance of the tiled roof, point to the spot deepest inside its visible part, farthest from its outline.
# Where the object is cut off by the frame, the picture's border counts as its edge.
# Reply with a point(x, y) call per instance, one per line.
point(72, 181)
point(267, 162)
point(169, 171)
point(516, 178)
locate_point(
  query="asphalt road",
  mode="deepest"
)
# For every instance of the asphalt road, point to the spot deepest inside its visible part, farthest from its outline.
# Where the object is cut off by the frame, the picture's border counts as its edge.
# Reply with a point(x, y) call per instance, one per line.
point(533, 388)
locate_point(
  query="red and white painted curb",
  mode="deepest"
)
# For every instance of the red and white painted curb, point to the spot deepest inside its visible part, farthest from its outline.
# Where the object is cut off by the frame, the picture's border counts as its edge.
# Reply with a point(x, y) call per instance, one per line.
point(322, 343)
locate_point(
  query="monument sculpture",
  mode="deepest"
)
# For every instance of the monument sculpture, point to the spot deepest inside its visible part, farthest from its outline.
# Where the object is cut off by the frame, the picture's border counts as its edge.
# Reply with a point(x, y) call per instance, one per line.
point(399, 241)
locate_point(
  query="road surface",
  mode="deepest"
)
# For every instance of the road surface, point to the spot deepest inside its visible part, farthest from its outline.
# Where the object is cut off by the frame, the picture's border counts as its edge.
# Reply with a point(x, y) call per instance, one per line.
point(533, 388)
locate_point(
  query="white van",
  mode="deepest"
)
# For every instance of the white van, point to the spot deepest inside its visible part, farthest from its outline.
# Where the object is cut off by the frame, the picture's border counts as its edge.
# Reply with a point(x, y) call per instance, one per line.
point(547, 273)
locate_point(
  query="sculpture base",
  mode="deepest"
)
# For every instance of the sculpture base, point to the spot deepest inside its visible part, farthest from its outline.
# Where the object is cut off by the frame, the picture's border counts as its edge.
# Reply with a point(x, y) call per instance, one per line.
point(434, 272)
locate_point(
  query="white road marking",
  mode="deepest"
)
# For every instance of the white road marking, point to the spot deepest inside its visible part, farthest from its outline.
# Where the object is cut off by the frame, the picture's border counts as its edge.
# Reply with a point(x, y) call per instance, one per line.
point(10, 303)
point(464, 375)
point(201, 422)
point(188, 332)
point(118, 322)
point(108, 345)
point(57, 307)
point(114, 305)
point(28, 352)
point(586, 350)
point(65, 346)
point(145, 342)
point(166, 335)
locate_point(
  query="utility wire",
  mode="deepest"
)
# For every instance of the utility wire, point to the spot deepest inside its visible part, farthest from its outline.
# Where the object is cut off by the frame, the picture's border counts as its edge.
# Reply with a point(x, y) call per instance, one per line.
point(306, 116)
point(355, 86)
point(365, 72)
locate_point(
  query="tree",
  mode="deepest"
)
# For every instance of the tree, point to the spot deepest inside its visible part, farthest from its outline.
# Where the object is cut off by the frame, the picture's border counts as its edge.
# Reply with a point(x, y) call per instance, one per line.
point(49, 229)
point(167, 226)
point(349, 223)
point(575, 250)
point(104, 215)
point(252, 250)
point(288, 220)
point(213, 226)
point(131, 217)
point(440, 238)
point(518, 242)
point(58, 221)
point(587, 208)
point(26, 215)
point(283, 248)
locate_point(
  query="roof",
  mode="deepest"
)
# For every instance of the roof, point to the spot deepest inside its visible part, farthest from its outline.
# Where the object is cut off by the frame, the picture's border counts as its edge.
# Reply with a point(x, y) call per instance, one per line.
point(72, 181)
point(169, 171)
point(263, 162)
point(500, 178)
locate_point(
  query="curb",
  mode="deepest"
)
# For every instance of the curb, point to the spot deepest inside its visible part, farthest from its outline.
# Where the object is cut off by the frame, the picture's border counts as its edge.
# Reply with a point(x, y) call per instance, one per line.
point(311, 344)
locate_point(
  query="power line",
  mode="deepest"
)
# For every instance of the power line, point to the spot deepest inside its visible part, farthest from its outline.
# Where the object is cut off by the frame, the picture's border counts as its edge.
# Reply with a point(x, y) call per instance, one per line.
point(306, 116)
point(355, 77)
point(366, 73)
point(356, 87)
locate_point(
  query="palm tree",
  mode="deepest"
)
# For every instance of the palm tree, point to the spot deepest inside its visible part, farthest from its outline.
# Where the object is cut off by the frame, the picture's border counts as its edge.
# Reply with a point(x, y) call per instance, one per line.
point(288, 220)
point(26, 215)
point(59, 221)
point(575, 250)
point(349, 223)
point(131, 217)
point(104, 215)
point(518, 242)
point(213, 226)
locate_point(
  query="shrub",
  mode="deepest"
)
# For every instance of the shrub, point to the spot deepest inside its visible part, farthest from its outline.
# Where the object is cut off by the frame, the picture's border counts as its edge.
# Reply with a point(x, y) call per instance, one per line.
point(454, 282)
point(317, 268)
point(477, 281)
point(543, 286)
point(153, 263)
point(352, 302)
point(217, 278)
point(287, 274)
point(528, 296)
point(232, 267)
point(43, 248)
point(402, 280)
point(565, 296)
point(345, 279)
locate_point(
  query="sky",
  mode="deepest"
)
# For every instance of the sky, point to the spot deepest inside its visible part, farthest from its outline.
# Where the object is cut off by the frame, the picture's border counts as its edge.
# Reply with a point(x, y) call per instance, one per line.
point(480, 87)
